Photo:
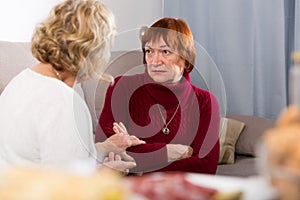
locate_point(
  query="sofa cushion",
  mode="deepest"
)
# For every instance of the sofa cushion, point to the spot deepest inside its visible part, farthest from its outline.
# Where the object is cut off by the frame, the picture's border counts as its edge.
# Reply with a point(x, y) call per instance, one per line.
point(14, 57)
point(254, 129)
point(229, 132)
point(244, 166)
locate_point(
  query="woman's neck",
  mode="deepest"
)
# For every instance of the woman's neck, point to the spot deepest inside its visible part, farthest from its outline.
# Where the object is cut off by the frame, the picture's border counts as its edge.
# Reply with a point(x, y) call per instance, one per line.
point(168, 94)
point(48, 70)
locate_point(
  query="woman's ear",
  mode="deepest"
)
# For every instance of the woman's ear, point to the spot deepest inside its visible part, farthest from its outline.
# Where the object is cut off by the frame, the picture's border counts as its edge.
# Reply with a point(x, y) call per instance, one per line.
point(187, 67)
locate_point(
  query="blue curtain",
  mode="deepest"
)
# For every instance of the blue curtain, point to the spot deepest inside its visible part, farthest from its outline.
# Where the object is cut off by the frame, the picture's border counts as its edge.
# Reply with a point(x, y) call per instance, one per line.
point(297, 25)
point(250, 43)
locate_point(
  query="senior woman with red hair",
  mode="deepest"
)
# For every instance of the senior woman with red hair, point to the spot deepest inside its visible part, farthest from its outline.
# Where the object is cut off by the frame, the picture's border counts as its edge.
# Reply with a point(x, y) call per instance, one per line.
point(178, 120)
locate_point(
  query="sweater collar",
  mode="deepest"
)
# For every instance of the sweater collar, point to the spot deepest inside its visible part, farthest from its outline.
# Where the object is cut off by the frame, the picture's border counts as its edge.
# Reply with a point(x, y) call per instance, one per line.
point(168, 95)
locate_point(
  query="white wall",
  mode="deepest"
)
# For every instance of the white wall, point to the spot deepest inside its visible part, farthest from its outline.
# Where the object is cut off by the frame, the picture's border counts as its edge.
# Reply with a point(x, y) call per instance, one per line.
point(130, 16)
point(18, 18)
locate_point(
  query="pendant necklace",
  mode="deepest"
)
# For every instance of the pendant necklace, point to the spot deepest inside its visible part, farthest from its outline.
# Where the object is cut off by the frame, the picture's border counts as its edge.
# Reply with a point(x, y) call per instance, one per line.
point(57, 73)
point(166, 130)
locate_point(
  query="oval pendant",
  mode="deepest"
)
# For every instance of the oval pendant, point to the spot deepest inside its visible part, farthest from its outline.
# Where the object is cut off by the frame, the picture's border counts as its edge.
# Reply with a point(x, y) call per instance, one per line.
point(166, 131)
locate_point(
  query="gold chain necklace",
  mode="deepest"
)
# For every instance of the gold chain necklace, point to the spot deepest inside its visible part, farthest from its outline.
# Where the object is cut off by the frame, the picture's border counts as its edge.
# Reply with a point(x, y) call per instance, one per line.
point(166, 130)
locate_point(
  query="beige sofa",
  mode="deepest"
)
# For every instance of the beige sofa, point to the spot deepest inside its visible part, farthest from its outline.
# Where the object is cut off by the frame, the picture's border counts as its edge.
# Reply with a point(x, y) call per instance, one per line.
point(247, 156)
point(15, 56)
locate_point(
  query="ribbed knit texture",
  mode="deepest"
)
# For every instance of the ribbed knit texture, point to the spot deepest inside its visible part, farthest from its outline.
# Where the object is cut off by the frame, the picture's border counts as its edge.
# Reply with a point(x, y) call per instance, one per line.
point(134, 101)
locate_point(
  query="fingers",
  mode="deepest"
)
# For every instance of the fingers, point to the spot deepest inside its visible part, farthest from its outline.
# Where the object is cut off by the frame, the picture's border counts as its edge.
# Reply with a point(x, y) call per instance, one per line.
point(119, 128)
point(110, 157)
point(126, 157)
point(116, 130)
point(136, 141)
point(117, 157)
point(129, 165)
point(123, 156)
point(106, 160)
point(123, 127)
point(118, 164)
point(188, 153)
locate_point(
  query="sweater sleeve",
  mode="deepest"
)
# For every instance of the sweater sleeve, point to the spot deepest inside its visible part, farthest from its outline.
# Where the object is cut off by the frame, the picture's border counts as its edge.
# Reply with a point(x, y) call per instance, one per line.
point(206, 143)
point(106, 119)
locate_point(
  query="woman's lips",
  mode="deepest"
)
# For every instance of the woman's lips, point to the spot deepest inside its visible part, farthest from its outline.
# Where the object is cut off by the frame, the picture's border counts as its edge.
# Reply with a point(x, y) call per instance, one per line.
point(158, 71)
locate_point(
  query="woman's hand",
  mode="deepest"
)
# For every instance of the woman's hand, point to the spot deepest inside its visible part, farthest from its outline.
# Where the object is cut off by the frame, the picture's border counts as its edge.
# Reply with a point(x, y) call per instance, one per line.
point(114, 161)
point(120, 142)
point(121, 139)
point(178, 152)
point(117, 143)
point(120, 128)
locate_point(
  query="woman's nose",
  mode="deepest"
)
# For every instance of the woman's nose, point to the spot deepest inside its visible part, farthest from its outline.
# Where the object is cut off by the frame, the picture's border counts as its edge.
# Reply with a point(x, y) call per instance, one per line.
point(156, 58)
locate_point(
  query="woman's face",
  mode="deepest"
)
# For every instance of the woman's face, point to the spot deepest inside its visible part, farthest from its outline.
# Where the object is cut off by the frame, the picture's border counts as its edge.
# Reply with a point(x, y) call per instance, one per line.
point(163, 64)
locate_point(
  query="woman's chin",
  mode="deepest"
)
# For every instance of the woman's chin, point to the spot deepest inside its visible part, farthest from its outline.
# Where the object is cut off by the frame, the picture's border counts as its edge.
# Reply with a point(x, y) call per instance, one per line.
point(160, 79)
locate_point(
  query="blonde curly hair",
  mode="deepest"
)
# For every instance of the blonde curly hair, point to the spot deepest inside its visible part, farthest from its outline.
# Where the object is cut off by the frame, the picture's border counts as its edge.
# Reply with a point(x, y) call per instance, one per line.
point(76, 37)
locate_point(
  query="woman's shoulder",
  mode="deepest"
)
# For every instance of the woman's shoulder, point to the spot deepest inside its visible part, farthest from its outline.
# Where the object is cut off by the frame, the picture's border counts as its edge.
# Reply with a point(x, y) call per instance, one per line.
point(200, 91)
point(203, 94)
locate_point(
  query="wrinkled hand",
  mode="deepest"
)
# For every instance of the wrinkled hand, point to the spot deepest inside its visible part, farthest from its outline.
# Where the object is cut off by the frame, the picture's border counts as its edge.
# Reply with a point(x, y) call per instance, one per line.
point(178, 152)
point(122, 140)
point(117, 143)
point(114, 161)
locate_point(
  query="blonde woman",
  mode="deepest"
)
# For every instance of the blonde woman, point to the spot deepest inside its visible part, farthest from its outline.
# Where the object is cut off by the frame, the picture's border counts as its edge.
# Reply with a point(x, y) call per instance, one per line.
point(43, 121)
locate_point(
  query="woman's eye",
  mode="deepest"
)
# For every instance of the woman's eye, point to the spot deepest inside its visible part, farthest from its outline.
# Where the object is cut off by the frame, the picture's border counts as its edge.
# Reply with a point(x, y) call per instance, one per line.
point(166, 51)
point(147, 51)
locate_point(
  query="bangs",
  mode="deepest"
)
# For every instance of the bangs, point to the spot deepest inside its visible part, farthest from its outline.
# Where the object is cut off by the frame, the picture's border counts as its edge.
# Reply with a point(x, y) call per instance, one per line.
point(154, 34)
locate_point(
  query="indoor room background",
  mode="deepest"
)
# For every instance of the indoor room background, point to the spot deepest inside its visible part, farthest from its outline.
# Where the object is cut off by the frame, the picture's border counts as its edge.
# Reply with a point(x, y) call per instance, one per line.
point(243, 47)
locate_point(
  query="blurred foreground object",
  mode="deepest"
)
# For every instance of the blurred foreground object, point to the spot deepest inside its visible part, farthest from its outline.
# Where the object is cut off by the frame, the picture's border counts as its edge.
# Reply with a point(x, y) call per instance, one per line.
point(175, 185)
point(49, 184)
point(282, 146)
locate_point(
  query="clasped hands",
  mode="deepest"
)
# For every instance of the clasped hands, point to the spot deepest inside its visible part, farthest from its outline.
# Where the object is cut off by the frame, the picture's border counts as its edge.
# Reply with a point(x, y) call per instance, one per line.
point(174, 151)
point(114, 149)
point(116, 145)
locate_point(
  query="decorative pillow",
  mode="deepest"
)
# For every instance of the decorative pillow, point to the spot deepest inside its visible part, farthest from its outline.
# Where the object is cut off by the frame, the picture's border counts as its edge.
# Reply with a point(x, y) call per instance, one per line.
point(229, 132)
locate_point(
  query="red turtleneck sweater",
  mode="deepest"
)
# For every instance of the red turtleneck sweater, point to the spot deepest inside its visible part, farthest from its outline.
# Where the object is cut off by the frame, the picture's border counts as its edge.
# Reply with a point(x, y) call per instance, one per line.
point(134, 100)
